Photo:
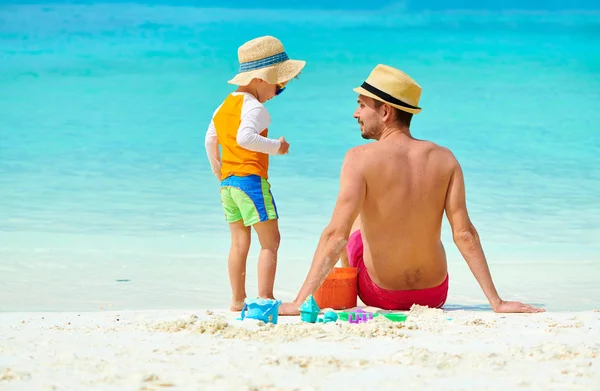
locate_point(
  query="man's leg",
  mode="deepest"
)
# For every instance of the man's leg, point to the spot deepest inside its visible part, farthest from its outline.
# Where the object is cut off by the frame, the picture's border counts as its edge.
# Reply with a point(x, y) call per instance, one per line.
point(269, 237)
point(238, 253)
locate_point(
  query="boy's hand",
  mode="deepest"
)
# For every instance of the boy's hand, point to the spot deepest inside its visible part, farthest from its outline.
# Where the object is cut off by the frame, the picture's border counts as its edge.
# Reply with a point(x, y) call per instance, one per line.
point(284, 147)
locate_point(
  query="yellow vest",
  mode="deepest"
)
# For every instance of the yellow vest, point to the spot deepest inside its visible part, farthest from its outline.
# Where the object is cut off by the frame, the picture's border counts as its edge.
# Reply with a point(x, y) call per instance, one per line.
point(235, 159)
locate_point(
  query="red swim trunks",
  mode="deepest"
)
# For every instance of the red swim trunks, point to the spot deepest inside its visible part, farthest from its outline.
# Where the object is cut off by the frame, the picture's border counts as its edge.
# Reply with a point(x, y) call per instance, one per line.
point(373, 295)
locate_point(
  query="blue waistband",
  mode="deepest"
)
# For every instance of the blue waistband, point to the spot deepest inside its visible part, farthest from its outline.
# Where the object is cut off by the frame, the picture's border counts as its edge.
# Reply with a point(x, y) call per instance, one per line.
point(242, 180)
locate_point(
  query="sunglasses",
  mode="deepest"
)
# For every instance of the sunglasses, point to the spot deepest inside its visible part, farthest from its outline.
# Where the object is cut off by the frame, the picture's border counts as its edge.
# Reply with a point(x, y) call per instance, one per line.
point(279, 88)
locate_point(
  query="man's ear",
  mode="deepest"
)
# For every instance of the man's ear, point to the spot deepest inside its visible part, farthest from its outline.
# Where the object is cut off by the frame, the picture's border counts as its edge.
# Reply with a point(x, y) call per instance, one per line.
point(386, 112)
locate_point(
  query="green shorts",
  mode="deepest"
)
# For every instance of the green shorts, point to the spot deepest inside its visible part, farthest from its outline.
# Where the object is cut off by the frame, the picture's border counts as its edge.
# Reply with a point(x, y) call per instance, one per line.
point(247, 198)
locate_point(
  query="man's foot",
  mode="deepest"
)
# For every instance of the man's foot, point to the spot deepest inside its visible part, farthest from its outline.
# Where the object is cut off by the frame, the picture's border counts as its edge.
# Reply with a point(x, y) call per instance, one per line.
point(236, 305)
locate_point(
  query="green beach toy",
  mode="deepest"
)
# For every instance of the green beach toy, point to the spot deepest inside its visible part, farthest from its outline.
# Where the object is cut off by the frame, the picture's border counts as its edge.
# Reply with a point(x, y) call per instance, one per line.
point(394, 317)
point(309, 310)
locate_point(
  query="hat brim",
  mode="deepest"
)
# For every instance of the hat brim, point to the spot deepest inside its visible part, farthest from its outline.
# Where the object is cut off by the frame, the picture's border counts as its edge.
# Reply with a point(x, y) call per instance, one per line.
point(278, 73)
point(364, 92)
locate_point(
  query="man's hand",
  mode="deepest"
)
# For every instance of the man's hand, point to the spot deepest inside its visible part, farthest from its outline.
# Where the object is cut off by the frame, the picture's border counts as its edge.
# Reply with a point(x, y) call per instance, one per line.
point(284, 147)
point(515, 307)
point(289, 309)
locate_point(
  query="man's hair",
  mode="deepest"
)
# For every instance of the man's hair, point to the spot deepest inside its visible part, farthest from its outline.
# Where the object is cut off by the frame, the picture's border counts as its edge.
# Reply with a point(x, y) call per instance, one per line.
point(400, 116)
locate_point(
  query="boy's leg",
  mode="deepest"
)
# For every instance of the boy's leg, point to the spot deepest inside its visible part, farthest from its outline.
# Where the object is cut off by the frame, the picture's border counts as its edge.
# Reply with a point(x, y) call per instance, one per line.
point(238, 253)
point(258, 209)
point(268, 236)
point(240, 245)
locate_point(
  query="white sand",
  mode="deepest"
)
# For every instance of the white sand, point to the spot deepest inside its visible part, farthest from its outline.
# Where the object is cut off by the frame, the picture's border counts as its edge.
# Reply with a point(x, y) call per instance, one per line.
point(203, 350)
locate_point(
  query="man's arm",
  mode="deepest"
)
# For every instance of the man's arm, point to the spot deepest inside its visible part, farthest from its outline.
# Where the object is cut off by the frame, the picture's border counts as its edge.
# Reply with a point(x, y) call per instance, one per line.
point(335, 236)
point(467, 240)
point(211, 144)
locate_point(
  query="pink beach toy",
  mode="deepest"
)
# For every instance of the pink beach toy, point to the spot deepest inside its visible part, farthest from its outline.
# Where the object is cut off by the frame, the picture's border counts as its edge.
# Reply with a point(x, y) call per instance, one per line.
point(359, 316)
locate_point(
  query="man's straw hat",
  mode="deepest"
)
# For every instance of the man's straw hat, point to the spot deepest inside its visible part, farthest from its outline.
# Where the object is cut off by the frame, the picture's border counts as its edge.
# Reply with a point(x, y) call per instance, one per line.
point(264, 58)
point(392, 86)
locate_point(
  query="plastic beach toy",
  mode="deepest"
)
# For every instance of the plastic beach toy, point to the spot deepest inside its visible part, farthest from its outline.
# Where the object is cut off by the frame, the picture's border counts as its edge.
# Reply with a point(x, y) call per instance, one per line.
point(265, 310)
point(330, 316)
point(339, 291)
point(394, 317)
point(309, 310)
point(360, 316)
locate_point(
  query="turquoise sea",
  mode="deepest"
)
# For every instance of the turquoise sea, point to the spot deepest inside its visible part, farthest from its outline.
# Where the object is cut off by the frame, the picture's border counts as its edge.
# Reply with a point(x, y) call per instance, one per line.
point(107, 200)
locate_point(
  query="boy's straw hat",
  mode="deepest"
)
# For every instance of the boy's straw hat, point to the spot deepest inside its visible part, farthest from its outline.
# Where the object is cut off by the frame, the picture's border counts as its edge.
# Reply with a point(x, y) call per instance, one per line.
point(264, 58)
point(392, 86)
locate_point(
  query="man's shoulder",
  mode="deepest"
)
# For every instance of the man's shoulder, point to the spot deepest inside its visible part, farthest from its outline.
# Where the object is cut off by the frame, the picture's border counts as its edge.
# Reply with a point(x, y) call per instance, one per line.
point(442, 151)
point(359, 151)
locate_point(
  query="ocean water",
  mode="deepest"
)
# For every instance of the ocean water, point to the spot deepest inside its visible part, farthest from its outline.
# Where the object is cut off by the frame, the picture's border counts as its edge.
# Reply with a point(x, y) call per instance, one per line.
point(107, 200)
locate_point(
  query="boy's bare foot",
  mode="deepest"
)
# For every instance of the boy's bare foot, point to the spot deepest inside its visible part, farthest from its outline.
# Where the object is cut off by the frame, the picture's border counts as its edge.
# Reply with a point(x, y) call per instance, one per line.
point(236, 305)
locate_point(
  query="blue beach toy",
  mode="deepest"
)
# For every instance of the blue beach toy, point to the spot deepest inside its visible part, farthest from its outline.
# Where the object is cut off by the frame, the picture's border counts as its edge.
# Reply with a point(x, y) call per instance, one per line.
point(330, 316)
point(265, 310)
point(309, 310)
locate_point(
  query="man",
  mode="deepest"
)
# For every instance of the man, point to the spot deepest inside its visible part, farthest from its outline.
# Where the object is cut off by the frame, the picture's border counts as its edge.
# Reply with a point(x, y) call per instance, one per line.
point(392, 198)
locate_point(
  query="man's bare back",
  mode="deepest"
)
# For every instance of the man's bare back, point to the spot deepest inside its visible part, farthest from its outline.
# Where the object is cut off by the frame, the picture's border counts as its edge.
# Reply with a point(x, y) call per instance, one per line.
point(401, 217)
point(399, 188)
